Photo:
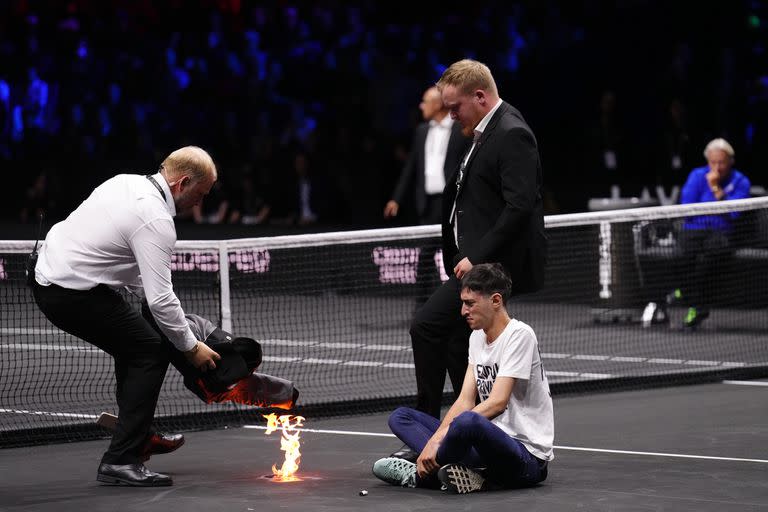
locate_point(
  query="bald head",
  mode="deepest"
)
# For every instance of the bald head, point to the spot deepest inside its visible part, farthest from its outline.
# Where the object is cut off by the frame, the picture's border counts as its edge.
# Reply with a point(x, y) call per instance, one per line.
point(432, 105)
point(190, 174)
point(189, 161)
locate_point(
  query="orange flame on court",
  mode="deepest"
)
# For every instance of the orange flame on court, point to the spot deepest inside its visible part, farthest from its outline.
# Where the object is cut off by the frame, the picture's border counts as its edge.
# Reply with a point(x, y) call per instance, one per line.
point(289, 443)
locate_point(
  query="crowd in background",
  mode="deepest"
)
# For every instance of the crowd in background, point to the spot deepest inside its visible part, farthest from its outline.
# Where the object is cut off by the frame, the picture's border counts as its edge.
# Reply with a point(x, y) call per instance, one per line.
point(308, 107)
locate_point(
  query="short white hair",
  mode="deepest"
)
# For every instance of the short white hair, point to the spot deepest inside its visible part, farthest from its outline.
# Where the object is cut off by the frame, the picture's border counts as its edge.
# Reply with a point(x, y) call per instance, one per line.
point(721, 145)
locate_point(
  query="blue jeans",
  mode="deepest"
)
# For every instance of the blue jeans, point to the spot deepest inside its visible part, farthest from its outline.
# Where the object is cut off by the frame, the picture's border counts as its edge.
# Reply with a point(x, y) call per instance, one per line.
point(472, 440)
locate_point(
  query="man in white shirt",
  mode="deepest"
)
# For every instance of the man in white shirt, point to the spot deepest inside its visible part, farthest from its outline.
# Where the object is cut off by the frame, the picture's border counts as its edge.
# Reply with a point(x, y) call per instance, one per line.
point(436, 150)
point(510, 432)
point(123, 235)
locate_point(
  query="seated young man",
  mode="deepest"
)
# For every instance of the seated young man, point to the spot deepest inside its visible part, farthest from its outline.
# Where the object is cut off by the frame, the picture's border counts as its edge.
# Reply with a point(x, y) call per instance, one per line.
point(505, 440)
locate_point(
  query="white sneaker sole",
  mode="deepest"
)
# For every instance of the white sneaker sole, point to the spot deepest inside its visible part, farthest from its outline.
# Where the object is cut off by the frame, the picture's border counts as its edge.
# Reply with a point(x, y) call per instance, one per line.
point(460, 479)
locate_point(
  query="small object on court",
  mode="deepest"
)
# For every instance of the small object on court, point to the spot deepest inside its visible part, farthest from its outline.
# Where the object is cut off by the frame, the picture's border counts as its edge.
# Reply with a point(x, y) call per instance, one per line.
point(364, 493)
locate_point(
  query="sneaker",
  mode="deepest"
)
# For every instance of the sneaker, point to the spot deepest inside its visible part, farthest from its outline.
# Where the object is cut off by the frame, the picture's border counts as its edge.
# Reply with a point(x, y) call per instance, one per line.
point(648, 313)
point(694, 317)
point(406, 453)
point(395, 471)
point(460, 479)
point(675, 296)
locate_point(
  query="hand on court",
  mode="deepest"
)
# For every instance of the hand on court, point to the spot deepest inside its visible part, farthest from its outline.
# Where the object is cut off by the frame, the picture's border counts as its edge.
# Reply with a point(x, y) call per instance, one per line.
point(204, 358)
point(427, 461)
point(462, 267)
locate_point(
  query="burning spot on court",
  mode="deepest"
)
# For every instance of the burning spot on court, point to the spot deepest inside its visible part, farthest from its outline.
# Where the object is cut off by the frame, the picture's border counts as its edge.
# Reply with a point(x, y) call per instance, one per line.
point(289, 443)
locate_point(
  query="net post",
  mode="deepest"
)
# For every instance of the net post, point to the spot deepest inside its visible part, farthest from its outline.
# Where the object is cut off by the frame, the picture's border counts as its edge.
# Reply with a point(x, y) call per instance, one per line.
point(225, 301)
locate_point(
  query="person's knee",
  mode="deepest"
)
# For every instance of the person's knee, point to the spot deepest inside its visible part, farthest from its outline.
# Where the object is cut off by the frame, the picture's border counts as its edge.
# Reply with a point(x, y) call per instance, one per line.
point(467, 421)
point(399, 416)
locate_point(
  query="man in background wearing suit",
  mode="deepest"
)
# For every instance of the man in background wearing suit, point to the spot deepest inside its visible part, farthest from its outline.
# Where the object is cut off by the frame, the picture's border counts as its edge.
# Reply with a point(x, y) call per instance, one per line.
point(436, 151)
point(437, 148)
point(492, 212)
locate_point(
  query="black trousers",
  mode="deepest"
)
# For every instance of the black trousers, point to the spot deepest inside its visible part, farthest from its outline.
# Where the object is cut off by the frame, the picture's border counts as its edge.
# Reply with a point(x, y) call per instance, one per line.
point(433, 210)
point(101, 317)
point(704, 252)
point(427, 275)
point(440, 340)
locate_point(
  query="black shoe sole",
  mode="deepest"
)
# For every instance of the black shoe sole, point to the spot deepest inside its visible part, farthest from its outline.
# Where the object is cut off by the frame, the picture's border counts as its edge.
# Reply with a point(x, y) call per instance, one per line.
point(112, 480)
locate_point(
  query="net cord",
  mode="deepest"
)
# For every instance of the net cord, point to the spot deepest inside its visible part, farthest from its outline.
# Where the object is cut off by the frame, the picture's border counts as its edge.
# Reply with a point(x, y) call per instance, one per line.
point(416, 232)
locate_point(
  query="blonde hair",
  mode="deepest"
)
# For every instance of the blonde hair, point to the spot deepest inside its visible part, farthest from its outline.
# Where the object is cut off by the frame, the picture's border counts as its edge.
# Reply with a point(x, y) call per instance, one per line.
point(192, 161)
point(468, 75)
point(722, 145)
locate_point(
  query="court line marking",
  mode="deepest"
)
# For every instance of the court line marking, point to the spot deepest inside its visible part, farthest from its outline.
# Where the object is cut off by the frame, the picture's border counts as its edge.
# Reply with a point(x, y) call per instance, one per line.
point(746, 382)
point(392, 348)
point(323, 431)
point(556, 447)
point(53, 414)
point(660, 454)
point(381, 434)
point(79, 347)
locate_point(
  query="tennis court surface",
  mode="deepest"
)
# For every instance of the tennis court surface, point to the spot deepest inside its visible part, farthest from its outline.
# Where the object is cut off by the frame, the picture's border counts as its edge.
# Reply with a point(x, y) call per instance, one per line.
point(702, 447)
point(332, 312)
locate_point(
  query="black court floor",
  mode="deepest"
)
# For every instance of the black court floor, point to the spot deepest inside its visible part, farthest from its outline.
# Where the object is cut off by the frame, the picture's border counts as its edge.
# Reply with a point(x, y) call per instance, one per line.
point(697, 448)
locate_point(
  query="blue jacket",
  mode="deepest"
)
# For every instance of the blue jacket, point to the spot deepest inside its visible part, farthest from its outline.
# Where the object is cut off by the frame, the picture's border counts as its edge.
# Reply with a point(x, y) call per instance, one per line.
point(696, 190)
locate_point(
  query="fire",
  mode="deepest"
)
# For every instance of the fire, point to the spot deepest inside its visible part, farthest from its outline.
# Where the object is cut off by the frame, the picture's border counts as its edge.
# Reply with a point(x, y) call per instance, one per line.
point(289, 443)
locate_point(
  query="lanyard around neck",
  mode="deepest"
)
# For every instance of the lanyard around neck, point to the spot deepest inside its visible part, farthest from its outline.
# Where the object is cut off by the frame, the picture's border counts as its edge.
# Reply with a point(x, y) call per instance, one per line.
point(157, 186)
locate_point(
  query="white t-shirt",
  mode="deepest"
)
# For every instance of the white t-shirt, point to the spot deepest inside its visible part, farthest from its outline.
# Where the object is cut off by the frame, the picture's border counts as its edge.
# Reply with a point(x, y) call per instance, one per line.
point(515, 353)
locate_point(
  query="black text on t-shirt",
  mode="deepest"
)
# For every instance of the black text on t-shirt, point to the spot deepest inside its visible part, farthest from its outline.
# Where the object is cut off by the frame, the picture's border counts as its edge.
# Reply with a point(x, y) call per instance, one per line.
point(486, 375)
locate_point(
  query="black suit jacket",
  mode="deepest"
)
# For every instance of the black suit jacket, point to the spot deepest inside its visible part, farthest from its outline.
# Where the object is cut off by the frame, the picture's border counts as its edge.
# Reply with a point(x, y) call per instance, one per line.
point(499, 207)
point(412, 176)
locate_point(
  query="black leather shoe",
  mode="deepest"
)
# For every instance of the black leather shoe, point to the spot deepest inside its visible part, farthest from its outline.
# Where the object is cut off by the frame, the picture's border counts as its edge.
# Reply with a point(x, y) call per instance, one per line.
point(158, 443)
point(131, 474)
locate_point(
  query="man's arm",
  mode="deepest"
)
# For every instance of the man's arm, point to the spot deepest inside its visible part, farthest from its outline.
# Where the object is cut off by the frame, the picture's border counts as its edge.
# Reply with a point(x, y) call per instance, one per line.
point(690, 192)
point(406, 175)
point(152, 245)
point(518, 168)
point(427, 463)
point(497, 401)
point(741, 190)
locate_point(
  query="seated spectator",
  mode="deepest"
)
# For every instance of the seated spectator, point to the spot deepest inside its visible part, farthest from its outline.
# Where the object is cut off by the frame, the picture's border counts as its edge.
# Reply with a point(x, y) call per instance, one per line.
point(302, 193)
point(706, 239)
point(249, 202)
point(38, 200)
point(214, 207)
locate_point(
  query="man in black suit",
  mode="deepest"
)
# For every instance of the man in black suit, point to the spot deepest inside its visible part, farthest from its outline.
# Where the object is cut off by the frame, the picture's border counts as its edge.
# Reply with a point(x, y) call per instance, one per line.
point(437, 148)
point(492, 212)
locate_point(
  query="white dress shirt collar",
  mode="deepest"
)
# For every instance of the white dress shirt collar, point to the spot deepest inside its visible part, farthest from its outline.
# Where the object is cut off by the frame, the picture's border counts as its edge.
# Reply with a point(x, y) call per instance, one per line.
point(446, 122)
point(481, 126)
point(160, 179)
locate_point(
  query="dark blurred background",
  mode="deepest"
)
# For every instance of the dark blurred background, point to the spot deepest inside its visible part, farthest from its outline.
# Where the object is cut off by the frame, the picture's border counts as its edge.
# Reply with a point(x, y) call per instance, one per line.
point(308, 108)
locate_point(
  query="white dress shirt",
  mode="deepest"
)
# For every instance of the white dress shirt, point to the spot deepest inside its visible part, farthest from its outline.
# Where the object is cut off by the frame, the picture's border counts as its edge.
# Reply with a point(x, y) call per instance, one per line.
point(479, 129)
point(435, 149)
point(122, 235)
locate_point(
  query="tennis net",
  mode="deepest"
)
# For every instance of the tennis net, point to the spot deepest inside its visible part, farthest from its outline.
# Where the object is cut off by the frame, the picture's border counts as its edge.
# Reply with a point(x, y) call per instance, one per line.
point(332, 312)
